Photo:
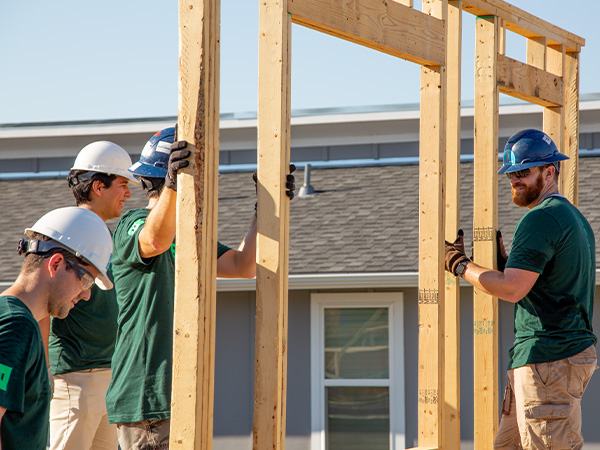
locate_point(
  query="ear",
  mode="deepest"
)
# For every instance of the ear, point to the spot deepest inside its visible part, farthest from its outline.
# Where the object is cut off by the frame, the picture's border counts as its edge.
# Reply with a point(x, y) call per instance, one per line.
point(53, 264)
point(97, 187)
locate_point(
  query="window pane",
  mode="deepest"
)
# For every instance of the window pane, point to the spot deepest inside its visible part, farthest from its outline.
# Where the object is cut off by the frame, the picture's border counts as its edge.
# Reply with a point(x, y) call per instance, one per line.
point(358, 418)
point(356, 343)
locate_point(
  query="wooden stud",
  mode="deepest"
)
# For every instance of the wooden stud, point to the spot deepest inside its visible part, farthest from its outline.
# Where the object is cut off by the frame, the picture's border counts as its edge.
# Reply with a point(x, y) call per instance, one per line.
point(529, 83)
point(536, 52)
point(485, 223)
point(196, 247)
point(451, 180)
point(554, 117)
point(389, 27)
point(502, 37)
point(431, 251)
point(569, 178)
point(273, 226)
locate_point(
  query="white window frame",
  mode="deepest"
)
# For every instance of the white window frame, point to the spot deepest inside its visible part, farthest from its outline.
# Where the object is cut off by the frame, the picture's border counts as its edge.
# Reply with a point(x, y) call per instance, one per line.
point(394, 302)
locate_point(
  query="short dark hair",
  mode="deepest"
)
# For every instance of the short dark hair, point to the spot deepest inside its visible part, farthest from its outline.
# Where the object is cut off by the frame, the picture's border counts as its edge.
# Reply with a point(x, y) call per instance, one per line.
point(153, 186)
point(81, 182)
point(556, 166)
point(33, 261)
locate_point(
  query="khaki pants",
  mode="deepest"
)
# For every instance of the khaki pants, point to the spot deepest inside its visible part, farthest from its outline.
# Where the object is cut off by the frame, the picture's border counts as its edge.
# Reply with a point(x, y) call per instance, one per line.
point(144, 435)
point(542, 404)
point(78, 418)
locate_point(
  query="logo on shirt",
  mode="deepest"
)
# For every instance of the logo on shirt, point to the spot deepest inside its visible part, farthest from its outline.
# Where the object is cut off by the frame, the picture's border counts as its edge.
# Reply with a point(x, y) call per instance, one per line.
point(135, 226)
point(4, 376)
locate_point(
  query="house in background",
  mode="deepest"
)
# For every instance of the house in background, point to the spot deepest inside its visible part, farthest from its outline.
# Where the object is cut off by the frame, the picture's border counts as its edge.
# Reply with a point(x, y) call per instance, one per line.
point(352, 348)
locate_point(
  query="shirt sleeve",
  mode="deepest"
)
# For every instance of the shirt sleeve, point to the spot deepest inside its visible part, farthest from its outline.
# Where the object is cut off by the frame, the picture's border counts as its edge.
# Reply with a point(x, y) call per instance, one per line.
point(17, 335)
point(534, 243)
point(221, 249)
point(126, 240)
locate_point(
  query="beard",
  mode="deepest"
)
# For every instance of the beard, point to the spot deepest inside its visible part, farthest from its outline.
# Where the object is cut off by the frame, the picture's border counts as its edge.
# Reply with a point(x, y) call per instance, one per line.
point(530, 194)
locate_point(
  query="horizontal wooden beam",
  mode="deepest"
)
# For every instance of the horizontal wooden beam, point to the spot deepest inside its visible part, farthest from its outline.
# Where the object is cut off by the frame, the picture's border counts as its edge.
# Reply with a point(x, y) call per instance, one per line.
point(384, 25)
point(524, 23)
point(529, 83)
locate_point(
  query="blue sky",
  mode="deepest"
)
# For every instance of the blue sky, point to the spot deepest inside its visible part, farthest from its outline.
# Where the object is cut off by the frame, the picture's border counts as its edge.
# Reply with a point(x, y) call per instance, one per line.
point(81, 60)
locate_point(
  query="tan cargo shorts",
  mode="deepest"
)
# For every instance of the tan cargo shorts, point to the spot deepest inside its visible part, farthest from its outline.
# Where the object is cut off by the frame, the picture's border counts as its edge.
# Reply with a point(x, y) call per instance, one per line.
point(542, 404)
point(144, 435)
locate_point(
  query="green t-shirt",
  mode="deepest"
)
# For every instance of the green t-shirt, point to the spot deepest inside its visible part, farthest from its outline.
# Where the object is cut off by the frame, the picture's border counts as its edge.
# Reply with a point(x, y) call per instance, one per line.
point(554, 320)
point(140, 388)
point(24, 383)
point(85, 339)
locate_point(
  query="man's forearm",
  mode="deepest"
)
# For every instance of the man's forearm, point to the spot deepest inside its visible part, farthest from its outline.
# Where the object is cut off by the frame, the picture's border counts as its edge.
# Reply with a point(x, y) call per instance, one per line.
point(511, 285)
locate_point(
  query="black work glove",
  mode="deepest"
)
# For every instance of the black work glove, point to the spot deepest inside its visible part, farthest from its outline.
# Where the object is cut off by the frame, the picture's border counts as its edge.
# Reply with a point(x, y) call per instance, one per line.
point(177, 161)
point(501, 255)
point(455, 253)
point(290, 185)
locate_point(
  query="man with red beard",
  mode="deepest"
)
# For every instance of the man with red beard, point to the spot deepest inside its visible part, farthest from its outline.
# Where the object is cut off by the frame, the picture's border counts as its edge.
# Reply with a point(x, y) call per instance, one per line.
point(550, 276)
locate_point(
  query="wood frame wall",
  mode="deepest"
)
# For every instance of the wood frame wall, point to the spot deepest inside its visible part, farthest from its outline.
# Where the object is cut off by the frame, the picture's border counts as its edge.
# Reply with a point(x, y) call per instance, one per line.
point(431, 38)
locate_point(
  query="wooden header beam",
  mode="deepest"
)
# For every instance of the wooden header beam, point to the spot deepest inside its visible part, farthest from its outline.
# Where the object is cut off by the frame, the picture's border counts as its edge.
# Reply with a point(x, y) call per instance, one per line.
point(196, 248)
point(386, 26)
point(529, 83)
point(524, 23)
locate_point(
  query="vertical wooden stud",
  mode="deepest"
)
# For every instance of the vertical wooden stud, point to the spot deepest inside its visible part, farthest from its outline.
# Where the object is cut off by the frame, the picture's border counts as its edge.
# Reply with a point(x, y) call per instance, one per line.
point(485, 223)
point(536, 52)
point(273, 226)
point(196, 248)
point(502, 37)
point(554, 117)
point(431, 251)
point(451, 180)
point(569, 177)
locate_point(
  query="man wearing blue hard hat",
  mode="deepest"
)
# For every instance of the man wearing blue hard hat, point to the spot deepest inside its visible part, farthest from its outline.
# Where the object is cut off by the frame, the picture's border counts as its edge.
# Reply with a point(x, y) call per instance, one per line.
point(550, 277)
point(139, 396)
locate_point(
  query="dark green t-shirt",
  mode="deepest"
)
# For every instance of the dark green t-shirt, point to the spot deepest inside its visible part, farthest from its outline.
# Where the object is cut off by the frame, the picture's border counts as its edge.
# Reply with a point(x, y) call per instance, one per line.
point(85, 339)
point(554, 320)
point(140, 387)
point(24, 383)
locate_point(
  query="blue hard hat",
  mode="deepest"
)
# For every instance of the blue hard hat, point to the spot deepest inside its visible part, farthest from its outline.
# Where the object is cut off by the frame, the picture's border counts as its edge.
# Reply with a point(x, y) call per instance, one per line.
point(154, 161)
point(529, 148)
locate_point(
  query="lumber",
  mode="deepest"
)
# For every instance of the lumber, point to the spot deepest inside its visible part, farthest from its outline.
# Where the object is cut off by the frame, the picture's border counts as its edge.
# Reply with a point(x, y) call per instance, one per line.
point(451, 180)
point(569, 179)
point(536, 52)
point(196, 247)
point(485, 224)
point(431, 247)
point(273, 226)
point(529, 83)
point(524, 23)
point(386, 26)
point(554, 117)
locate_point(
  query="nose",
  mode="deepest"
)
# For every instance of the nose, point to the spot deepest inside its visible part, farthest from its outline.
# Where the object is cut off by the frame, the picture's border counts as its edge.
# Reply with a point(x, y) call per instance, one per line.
point(127, 191)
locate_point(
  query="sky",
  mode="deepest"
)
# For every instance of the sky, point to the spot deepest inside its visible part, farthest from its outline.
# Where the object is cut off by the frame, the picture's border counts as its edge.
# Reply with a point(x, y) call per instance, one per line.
point(115, 59)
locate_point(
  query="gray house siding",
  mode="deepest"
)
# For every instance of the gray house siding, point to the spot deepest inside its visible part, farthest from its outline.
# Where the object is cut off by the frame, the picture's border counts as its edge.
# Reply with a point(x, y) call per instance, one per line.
point(234, 371)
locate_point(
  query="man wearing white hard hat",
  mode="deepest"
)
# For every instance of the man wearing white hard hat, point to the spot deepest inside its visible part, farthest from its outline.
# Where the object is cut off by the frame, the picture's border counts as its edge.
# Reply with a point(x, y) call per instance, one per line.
point(68, 250)
point(81, 345)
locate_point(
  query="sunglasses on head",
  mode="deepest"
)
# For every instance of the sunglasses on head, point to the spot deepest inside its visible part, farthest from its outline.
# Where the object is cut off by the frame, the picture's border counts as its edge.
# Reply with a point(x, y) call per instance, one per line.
point(86, 278)
point(518, 174)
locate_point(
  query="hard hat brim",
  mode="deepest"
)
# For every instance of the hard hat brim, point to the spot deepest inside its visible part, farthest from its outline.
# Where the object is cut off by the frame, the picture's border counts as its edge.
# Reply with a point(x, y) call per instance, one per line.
point(508, 168)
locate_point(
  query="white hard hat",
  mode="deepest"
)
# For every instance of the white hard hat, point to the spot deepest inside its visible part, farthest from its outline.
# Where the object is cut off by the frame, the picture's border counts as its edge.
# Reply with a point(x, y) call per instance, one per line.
point(83, 233)
point(105, 157)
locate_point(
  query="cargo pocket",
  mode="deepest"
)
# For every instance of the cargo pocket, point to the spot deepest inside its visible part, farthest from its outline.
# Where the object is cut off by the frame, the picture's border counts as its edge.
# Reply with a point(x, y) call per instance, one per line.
point(581, 369)
point(548, 426)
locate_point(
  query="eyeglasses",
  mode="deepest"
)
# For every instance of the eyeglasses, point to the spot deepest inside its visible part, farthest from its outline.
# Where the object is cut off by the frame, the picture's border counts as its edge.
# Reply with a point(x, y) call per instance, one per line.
point(518, 174)
point(86, 278)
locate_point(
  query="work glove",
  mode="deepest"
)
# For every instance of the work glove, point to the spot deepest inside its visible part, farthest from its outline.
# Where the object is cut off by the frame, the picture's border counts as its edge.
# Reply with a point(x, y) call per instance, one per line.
point(501, 255)
point(290, 185)
point(177, 161)
point(455, 253)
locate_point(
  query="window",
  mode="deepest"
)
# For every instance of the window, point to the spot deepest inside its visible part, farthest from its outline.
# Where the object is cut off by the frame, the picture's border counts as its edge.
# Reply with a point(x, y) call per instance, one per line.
point(357, 386)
